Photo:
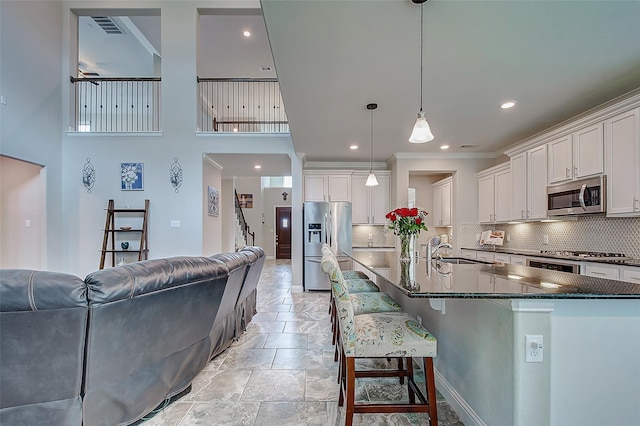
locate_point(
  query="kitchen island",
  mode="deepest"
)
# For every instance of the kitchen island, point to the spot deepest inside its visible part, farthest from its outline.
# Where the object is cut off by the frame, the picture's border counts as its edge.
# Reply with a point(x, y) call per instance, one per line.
point(481, 315)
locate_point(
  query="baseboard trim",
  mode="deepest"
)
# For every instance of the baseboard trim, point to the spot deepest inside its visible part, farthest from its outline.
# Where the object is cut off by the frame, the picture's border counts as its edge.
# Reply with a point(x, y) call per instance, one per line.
point(467, 415)
point(297, 289)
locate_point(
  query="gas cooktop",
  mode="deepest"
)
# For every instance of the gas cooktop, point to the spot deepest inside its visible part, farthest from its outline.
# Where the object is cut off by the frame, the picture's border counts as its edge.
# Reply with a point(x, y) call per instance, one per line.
point(585, 254)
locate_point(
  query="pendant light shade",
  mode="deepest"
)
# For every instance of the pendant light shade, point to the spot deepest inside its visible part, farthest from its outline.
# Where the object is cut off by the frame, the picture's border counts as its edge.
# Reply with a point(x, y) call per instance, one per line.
point(371, 179)
point(421, 131)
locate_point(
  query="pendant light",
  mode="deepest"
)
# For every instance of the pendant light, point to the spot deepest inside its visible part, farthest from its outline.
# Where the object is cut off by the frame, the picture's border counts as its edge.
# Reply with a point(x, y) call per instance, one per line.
point(371, 179)
point(421, 131)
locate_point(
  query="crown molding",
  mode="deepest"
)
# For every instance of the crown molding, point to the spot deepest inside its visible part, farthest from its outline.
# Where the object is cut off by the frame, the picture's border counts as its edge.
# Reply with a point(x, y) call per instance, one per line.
point(414, 155)
point(206, 158)
point(597, 114)
point(341, 165)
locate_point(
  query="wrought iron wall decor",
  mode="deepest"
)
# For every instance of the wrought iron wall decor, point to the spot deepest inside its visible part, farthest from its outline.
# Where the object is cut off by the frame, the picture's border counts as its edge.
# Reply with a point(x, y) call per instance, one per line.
point(175, 174)
point(284, 196)
point(88, 175)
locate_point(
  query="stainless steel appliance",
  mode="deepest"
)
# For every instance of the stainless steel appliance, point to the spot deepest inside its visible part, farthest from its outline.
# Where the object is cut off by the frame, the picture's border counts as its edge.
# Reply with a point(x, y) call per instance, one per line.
point(554, 265)
point(325, 223)
point(578, 197)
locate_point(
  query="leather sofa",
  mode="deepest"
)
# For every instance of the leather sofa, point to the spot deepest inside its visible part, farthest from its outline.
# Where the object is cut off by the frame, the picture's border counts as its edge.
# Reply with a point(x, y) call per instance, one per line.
point(111, 348)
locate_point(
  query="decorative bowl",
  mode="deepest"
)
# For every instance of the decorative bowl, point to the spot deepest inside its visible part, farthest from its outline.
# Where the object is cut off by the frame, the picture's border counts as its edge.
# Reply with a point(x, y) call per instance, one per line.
point(125, 228)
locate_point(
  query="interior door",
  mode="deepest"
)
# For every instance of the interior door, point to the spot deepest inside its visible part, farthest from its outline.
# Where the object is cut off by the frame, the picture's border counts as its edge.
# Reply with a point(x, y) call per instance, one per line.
point(283, 232)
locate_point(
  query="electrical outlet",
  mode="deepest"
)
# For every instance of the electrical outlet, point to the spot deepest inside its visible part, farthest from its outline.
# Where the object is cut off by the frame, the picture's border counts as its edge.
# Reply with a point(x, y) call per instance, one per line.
point(508, 238)
point(545, 239)
point(175, 224)
point(533, 348)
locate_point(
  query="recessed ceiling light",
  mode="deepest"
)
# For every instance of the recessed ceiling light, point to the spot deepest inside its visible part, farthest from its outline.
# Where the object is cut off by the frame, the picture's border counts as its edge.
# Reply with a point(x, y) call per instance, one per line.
point(353, 147)
point(444, 146)
point(508, 104)
point(257, 166)
point(247, 33)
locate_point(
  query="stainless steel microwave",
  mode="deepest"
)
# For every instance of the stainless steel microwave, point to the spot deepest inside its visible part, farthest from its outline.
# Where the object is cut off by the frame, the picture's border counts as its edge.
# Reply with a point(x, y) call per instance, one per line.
point(578, 197)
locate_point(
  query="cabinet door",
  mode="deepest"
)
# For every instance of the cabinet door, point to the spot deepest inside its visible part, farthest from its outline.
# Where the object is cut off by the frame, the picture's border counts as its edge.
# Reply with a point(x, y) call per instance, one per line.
point(486, 199)
point(631, 275)
point(537, 178)
point(622, 139)
point(314, 188)
point(445, 211)
point(379, 200)
point(437, 205)
point(503, 196)
point(588, 151)
point(519, 186)
point(602, 272)
point(339, 187)
point(560, 159)
point(359, 200)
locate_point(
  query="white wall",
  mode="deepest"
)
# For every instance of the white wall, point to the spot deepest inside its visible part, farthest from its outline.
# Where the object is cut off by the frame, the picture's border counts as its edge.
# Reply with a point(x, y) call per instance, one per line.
point(211, 225)
point(33, 122)
point(31, 35)
point(22, 198)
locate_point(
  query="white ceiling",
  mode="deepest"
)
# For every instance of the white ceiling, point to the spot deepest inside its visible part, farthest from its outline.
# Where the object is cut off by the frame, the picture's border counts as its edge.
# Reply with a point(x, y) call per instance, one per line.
point(332, 57)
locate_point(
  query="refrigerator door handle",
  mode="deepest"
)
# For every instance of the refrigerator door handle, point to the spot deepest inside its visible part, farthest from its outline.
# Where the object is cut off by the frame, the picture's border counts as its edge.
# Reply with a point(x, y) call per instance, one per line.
point(330, 229)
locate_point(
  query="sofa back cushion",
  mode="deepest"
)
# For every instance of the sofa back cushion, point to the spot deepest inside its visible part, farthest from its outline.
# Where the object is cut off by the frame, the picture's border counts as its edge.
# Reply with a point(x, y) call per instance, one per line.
point(43, 319)
point(148, 335)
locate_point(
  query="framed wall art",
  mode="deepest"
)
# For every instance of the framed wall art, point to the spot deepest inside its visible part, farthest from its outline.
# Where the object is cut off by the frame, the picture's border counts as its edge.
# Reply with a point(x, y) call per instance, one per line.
point(214, 202)
point(246, 201)
point(131, 176)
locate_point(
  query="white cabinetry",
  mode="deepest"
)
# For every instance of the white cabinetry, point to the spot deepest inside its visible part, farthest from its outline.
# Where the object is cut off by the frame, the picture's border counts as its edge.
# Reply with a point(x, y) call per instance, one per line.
point(529, 177)
point(577, 155)
point(468, 254)
point(602, 271)
point(327, 187)
point(622, 142)
point(442, 202)
point(631, 275)
point(370, 203)
point(494, 194)
point(518, 260)
point(487, 257)
point(501, 257)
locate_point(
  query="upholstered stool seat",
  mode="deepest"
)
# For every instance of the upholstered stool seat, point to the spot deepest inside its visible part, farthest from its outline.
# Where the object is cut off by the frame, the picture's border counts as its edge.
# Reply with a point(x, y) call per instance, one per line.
point(367, 303)
point(354, 275)
point(360, 285)
point(383, 335)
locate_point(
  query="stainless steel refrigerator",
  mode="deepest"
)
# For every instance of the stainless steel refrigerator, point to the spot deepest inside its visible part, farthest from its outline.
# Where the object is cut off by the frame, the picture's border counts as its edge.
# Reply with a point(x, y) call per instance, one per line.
point(328, 223)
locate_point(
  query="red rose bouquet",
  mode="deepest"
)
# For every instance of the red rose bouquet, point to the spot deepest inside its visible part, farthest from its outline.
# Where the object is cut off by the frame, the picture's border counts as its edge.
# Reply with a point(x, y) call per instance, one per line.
point(406, 222)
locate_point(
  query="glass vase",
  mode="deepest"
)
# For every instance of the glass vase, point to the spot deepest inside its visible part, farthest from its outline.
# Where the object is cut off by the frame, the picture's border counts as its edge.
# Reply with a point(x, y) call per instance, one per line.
point(405, 247)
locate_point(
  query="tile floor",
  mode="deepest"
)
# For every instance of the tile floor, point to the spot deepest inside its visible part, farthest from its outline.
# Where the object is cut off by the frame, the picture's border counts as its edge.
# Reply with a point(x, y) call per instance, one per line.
point(281, 371)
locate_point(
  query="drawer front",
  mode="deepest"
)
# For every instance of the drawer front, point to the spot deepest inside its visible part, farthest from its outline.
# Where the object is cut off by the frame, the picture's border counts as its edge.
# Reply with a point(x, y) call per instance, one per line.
point(504, 258)
point(487, 257)
point(519, 260)
point(468, 254)
point(601, 272)
point(631, 275)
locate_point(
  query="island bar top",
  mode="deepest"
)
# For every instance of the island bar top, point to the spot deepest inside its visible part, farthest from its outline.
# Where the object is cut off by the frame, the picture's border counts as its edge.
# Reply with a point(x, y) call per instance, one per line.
point(493, 281)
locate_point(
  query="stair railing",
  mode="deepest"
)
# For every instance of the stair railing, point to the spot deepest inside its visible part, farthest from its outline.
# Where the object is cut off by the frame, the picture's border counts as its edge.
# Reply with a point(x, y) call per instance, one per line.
point(244, 226)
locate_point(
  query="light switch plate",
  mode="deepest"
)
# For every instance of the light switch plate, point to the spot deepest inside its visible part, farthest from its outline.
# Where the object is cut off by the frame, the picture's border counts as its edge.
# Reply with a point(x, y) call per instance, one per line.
point(175, 224)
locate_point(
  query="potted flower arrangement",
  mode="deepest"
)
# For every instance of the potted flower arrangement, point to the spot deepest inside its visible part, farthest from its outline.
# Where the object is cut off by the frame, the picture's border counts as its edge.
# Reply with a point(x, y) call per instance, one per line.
point(406, 223)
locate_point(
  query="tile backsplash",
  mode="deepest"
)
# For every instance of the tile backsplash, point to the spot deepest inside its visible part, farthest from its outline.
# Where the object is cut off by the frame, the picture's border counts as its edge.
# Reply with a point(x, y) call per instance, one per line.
point(378, 234)
point(588, 233)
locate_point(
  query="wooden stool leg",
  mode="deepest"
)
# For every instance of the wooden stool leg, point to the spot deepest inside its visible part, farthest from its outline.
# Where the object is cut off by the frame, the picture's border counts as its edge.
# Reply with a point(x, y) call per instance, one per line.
point(350, 389)
point(431, 391)
point(401, 369)
point(412, 395)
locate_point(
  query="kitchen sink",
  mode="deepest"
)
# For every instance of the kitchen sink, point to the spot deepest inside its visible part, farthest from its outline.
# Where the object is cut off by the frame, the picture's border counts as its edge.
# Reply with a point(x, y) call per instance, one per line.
point(462, 261)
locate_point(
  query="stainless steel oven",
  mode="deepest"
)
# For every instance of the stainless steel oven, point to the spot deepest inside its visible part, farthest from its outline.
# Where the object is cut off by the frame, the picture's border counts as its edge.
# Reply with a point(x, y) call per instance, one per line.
point(554, 265)
point(578, 197)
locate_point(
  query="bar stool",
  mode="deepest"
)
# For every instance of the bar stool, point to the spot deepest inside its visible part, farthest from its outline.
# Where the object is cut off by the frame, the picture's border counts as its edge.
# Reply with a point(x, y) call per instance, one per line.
point(383, 335)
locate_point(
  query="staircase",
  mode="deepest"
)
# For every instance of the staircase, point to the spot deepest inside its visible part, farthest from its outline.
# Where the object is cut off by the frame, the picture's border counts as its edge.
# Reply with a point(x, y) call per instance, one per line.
point(244, 236)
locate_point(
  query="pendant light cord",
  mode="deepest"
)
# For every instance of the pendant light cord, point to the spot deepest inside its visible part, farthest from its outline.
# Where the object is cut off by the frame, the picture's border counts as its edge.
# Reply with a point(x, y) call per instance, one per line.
point(421, 49)
point(371, 147)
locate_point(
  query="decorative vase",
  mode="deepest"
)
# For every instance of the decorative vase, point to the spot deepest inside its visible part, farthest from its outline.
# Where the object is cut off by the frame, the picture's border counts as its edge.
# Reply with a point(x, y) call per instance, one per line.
point(405, 247)
point(124, 245)
point(128, 184)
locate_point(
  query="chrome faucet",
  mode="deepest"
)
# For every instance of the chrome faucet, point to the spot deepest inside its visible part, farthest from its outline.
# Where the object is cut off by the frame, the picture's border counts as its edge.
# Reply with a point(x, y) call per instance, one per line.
point(432, 251)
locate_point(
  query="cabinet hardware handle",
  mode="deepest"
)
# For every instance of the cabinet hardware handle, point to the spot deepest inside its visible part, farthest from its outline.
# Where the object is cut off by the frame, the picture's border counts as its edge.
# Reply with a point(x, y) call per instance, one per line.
point(635, 204)
point(521, 214)
point(598, 273)
point(566, 174)
point(575, 171)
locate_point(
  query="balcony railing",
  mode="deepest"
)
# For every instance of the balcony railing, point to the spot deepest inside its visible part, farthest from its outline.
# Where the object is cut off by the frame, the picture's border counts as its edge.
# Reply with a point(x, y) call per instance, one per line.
point(116, 104)
point(241, 105)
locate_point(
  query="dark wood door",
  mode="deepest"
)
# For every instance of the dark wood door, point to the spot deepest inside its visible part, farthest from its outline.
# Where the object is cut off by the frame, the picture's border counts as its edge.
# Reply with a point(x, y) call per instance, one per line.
point(283, 232)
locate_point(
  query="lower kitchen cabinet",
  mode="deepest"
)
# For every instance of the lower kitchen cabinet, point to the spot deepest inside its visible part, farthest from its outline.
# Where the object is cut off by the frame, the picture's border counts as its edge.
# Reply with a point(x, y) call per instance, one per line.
point(602, 271)
point(468, 254)
point(631, 275)
point(487, 257)
point(501, 257)
point(518, 260)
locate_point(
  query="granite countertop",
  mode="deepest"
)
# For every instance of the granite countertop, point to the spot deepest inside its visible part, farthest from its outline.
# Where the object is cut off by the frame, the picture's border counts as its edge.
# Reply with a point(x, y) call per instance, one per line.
point(623, 261)
point(495, 281)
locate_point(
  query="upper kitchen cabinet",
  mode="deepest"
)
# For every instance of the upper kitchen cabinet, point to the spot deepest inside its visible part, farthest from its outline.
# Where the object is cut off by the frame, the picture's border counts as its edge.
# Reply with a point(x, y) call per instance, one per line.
point(370, 204)
point(327, 186)
point(494, 194)
point(622, 142)
point(529, 180)
point(576, 155)
point(442, 202)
